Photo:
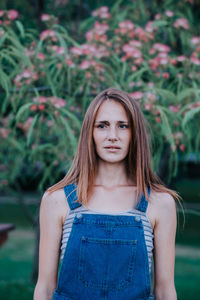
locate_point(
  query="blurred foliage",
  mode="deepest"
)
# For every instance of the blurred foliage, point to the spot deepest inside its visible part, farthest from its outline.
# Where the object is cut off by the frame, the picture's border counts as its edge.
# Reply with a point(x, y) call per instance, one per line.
point(50, 73)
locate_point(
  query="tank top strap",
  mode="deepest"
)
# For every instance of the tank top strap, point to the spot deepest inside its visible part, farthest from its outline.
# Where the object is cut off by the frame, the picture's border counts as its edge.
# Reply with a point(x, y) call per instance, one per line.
point(142, 205)
point(71, 195)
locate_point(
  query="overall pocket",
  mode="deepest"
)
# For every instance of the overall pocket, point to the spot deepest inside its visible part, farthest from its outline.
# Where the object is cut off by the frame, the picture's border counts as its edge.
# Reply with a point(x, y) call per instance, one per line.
point(106, 263)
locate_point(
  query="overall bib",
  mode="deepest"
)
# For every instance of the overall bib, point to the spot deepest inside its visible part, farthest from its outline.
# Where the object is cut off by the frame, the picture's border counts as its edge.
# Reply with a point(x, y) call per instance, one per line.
point(105, 258)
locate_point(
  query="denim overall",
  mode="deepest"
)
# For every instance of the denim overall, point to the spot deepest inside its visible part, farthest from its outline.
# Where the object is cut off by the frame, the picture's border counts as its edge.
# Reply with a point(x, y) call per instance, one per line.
point(105, 258)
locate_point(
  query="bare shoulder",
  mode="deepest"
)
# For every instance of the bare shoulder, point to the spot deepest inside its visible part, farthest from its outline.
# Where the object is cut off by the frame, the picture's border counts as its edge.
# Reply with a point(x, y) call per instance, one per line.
point(161, 206)
point(55, 204)
point(162, 200)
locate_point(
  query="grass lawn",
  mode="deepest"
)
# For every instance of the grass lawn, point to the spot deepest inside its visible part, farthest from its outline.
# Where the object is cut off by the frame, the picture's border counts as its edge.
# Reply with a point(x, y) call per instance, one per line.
point(16, 263)
point(15, 266)
point(17, 253)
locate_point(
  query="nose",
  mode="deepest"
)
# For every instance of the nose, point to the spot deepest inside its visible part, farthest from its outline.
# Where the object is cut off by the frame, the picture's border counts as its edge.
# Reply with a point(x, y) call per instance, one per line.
point(112, 134)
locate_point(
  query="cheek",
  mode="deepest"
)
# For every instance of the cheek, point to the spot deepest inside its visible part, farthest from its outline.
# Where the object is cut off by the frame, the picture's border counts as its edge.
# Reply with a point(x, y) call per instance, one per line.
point(127, 138)
point(97, 137)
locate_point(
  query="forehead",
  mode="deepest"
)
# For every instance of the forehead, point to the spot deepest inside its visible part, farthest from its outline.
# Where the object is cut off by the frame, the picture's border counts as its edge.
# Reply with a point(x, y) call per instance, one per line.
point(111, 110)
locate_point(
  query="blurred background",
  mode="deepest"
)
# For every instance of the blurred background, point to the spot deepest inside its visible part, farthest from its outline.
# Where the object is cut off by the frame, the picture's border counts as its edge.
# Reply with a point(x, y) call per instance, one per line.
point(55, 57)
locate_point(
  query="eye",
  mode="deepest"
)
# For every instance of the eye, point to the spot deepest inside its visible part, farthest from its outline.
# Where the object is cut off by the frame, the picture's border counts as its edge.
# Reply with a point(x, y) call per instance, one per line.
point(123, 126)
point(101, 126)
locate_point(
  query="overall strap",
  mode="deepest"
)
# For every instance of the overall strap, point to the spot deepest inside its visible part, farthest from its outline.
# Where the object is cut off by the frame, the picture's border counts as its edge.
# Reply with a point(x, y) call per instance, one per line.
point(142, 205)
point(71, 194)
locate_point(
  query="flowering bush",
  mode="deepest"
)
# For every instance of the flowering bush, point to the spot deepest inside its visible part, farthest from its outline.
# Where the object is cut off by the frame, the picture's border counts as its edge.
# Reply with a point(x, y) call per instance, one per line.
point(48, 80)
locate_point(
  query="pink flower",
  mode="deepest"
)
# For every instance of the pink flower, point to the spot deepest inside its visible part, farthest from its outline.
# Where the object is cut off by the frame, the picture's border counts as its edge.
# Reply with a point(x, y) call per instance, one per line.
point(127, 24)
point(166, 75)
point(173, 61)
point(59, 66)
point(69, 63)
point(195, 60)
point(41, 56)
point(161, 47)
point(12, 14)
point(41, 107)
point(134, 68)
point(98, 32)
point(40, 99)
point(148, 106)
point(138, 61)
point(88, 75)
point(169, 13)
point(135, 43)
point(4, 132)
point(181, 58)
point(136, 95)
point(176, 123)
point(149, 27)
point(151, 84)
point(1, 32)
point(175, 108)
point(102, 12)
point(85, 64)
point(45, 17)
point(76, 50)
point(163, 61)
point(151, 96)
point(195, 40)
point(49, 123)
point(47, 33)
point(182, 147)
point(182, 22)
point(178, 135)
point(152, 51)
point(142, 34)
point(131, 51)
point(158, 120)
point(33, 107)
point(58, 50)
point(2, 13)
point(57, 102)
point(131, 84)
point(158, 16)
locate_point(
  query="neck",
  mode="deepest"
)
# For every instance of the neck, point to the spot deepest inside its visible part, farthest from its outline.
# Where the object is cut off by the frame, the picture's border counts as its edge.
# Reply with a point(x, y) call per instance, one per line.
point(112, 174)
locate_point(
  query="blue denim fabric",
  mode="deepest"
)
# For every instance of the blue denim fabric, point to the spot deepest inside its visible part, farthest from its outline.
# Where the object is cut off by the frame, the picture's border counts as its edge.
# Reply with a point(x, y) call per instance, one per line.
point(105, 258)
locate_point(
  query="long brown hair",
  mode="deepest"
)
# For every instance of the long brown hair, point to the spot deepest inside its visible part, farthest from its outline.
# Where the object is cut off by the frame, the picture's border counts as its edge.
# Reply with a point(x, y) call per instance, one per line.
point(138, 162)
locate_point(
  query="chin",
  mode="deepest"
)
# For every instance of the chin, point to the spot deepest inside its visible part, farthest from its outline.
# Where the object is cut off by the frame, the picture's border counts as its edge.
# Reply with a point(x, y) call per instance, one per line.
point(112, 161)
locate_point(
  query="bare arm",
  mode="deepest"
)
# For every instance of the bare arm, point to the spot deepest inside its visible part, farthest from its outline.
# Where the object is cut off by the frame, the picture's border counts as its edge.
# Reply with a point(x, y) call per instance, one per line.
point(52, 209)
point(164, 247)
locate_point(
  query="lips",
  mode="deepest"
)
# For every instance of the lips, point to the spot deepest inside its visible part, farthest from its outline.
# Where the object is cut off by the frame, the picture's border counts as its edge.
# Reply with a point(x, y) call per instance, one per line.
point(112, 147)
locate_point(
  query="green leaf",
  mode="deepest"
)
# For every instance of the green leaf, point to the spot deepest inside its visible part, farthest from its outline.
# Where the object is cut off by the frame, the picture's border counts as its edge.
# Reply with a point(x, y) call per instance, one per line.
point(159, 23)
point(66, 35)
point(86, 24)
point(115, 7)
point(190, 115)
point(187, 93)
point(166, 129)
point(22, 110)
point(20, 27)
point(166, 94)
point(69, 131)
point(30, 131)
point(138, 73)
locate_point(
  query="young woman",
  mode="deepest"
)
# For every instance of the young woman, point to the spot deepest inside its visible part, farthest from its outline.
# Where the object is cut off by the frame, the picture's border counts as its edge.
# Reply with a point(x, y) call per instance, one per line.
point(110, 214)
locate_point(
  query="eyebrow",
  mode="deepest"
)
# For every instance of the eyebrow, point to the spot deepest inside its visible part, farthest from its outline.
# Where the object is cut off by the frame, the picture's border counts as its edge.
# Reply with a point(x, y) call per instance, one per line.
point(104, 121)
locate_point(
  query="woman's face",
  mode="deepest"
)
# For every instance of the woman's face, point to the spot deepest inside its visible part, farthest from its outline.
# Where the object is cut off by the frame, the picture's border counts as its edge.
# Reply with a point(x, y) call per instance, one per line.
point(111, 133)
